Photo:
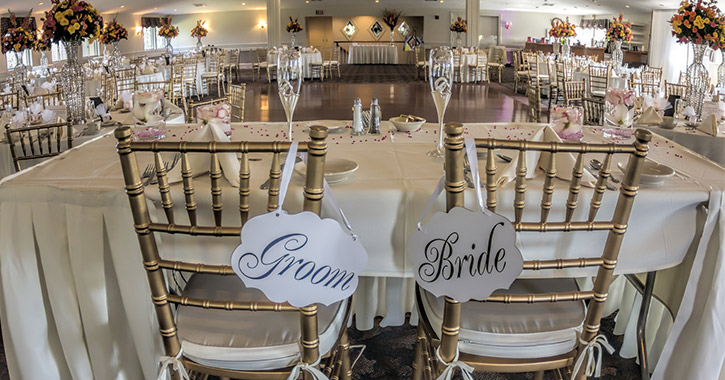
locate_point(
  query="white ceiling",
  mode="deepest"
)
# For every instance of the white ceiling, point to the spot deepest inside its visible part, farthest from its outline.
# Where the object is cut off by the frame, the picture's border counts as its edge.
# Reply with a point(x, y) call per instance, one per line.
point(573, 7)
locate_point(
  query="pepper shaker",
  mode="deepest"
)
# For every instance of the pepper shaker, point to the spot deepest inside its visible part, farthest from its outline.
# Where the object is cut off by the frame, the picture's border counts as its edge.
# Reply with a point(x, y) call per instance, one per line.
point(357, 122)
point(375, 116)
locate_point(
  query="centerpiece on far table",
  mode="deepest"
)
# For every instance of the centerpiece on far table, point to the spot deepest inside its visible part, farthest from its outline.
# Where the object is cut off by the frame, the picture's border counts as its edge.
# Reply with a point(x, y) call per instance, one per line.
point(168, 32)
point(293, 28)
point(391, 18)
point(699, 24)
point(199, 32)
point(459, 26)
point(563, 30)
point(72, 22)
point(111, 35)
point(42, 45)
point(617, 33)
point(17, 39)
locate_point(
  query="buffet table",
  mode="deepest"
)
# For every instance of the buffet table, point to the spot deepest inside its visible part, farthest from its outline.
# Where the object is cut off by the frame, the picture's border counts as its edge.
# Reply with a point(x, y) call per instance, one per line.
point(372, 54)
point(74, 292)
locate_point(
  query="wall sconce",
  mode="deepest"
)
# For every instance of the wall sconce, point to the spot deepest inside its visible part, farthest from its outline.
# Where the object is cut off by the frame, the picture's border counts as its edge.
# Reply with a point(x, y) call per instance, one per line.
point(139, 29)
point(507, 25)
point(262, 24)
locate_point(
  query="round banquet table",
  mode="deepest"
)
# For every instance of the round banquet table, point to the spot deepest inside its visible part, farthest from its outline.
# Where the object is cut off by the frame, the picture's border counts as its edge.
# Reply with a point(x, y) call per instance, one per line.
point(468, 59)
point(77, 303)
point(307, 59)
point(372, 54)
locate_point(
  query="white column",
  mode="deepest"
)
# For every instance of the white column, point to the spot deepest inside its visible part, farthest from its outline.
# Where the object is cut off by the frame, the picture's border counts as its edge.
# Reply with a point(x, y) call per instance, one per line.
point(473, 14)
point(274, 25)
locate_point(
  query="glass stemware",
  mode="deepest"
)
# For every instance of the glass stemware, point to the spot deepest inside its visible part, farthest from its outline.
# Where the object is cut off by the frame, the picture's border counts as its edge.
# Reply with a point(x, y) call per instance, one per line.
point(289, 82)
point(440, 80)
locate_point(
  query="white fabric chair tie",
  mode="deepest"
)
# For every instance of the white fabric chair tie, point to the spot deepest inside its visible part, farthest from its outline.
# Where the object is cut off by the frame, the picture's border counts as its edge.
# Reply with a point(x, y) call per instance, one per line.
point(308, 367)
point(594, 364)
point(176, 365)
point(466, 370)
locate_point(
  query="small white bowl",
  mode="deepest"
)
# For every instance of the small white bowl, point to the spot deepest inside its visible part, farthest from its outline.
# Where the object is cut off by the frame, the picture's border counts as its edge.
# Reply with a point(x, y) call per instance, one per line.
point(406, 126)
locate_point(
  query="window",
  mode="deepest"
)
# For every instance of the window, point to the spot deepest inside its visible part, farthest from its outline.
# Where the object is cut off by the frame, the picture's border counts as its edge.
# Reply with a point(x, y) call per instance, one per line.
point(151, 38)
point(57, 52)
point(25, 57)
point(90, 49)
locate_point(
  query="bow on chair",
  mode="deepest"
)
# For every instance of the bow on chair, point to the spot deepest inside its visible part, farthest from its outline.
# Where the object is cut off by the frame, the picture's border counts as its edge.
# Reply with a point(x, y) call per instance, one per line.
point(176, 365)
point(466, 370)
point(594, 365)
point(309, 367)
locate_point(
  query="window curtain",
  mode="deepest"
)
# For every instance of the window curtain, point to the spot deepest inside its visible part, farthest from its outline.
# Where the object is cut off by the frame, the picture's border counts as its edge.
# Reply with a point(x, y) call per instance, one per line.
point(148, 22)
point(664, 51)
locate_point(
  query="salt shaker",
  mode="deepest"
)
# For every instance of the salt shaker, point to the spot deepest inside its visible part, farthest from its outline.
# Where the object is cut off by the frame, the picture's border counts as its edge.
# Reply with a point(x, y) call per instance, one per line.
point(374, 128)
point(357, 122)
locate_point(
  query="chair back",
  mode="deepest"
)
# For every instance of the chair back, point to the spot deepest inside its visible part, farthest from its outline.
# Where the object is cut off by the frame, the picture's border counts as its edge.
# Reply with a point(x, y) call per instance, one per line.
point(125, 80)
point(236, 97)
point(564, 73)
point(574, 92)
point(163, 86)
point(533, 92)
point(593, 111)
point(482, 58)
point(193, 106)
point(47, 100)
point(598, 79)
point(616, 226)
point(675, 89)
point(132, 153)
point(38, 141)
point(11, 99)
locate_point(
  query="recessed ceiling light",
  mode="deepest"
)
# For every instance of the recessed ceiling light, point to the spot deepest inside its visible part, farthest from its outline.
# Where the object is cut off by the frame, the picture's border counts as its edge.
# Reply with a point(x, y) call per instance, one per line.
point(123, 6)
point(626, 6)
point(307, 2)
point(377, 1)
point(244, 3)
point(156, 8)
point(174, 9)
point(41, 3)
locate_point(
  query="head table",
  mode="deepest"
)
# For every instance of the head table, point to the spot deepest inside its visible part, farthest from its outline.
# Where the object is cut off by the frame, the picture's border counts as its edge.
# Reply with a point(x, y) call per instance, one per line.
point(74, 296)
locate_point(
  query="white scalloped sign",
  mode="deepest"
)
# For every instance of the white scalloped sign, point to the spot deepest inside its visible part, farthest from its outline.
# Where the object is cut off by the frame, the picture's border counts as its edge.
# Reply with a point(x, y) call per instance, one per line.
point(465, 254)
point(299, 258)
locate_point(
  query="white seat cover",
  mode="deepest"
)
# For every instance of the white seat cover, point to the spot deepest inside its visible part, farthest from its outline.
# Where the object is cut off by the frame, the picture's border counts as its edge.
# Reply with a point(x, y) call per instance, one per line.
point(245, 340)
point(516, 330)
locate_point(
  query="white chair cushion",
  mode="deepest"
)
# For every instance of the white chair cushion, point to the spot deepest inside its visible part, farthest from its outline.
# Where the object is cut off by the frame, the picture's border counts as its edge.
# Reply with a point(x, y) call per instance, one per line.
point(246, 340)
point(516, 330)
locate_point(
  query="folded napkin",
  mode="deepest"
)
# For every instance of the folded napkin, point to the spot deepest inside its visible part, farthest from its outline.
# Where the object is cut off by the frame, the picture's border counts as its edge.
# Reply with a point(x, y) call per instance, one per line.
point(36, 108)
point(47, 116)
point(149, 69)
point(49, 86)
point(124, 100)
point(658, 103)
point(102, 111)
point(170, 109)
point(709, 125)
point(689, 113)
point(145, 105)
point(200, 163)
point(650, 116)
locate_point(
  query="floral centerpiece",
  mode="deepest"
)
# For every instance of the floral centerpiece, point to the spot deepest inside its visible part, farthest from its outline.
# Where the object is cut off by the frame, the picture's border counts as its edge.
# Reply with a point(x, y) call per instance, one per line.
point(293, 27)
point(19, 37)
point(619, 112)
point(217, 115)
point(199, 31)
point(71, 22)
point(567, 122)
point(459, 26)
point(562, 29)
point(42, 45)
point(113, 33)
point(391, 18)
point(617, 33)
point(699, 23)
point(168, 31)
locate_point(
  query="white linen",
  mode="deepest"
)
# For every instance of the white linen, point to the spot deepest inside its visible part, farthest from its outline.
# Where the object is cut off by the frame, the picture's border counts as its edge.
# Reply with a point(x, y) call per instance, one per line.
point(94, 285)
point(709, 146)
point(372, 54)
point(468, 59)
point(307, 59)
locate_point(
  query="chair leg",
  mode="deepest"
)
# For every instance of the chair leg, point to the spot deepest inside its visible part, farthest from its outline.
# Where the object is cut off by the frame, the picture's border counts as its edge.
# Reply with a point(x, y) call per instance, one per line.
point(539, 375)
point(418, 362)
point(345, 369)
point(516, 85)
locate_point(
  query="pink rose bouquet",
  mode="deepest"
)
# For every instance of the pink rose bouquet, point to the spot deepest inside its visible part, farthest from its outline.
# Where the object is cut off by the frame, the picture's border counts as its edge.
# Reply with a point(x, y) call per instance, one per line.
point(567, 122)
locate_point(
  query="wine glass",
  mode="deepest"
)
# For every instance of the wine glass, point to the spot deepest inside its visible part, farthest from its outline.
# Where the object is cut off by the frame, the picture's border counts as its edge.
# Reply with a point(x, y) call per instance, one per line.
point(289, 81)
point(441, 80)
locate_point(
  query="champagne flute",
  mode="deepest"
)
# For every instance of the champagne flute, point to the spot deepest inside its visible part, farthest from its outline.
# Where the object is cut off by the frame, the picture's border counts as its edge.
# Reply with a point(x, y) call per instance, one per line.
point(440, 80)
point(289, 82)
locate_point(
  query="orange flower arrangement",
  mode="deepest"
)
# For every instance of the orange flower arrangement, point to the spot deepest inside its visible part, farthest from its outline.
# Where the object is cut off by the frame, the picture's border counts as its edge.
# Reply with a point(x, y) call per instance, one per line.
point(699, 23)
point(562, 28)
point(619, 31)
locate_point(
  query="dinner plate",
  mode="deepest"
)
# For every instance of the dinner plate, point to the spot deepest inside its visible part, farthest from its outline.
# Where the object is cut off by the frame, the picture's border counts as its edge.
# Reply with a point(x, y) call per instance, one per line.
point(333, 126)
point(652, 172)
point(336, 169)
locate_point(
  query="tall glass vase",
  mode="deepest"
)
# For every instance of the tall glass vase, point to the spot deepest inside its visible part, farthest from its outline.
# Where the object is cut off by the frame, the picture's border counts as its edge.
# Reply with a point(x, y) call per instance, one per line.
point(199, 45)
point(617, 56)
point(44, 59)
point(116, 55)
point(18, 74)
point(392, 37)
point(565, 48)
point(697, 79)
point(459, 40)
point(292, 39)
point(72, 83)
point(169, 48)
point(721, 71)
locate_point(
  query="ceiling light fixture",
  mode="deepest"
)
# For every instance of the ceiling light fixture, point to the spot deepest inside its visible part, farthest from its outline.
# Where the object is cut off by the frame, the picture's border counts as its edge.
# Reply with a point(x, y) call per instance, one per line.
point(123, 6)
point(626, 6)
point(41, 3)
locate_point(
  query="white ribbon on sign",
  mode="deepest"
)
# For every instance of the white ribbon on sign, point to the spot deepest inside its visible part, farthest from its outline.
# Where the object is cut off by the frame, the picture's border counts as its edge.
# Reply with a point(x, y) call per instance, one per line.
point(309, 368)
point(287, 173)
point(466, 370)
point(176, 365)
point(594, 364)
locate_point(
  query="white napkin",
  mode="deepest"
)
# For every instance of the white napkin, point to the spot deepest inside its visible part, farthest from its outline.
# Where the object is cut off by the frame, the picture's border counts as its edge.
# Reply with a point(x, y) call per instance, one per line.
point(145, 103)
point(18, 119)
point(50, 86)
point(124, 100)
point(709, 125)
point(171, 109)
point(200, 163)
point(148, 70)
point(658, 103)
point(47, 116)
point(36, 108)
point(650, 116)
point(7, 89)
point(102, 111)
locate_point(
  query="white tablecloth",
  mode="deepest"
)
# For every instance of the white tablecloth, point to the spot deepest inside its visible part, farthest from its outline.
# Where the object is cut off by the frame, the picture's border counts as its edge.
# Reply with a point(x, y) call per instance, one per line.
point(373, 54)
point(707, 145)
point(73, 284)
point(307, 59)
point(468, 59)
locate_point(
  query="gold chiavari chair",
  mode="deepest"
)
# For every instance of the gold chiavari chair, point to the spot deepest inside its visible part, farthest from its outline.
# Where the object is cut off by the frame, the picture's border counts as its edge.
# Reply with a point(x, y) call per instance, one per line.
point(521, 71)
point(215, 310)
point(533, 92)
point(108, 88)
point(191, 112)
point(259, 63)
point(236, 98)
point(37, 141)
point(645, 84)
point(11, 99)
point(598, 80)
point(537, 324)
point(574, 92)
point(332, 62)
point(479, 69)
point(176, 85)
point(214, 74)
point(457, 66)
point(190, 78)
point(656, 74)
point(421, 62)
point(496, 61)
point(156, 86)
point(125, 80)
point(593, 111)
point(675, 89)
point(564, 74)
point(683, 79)
point(271, 68)
point(232, 67)
point(538, 73)
point(47, 100)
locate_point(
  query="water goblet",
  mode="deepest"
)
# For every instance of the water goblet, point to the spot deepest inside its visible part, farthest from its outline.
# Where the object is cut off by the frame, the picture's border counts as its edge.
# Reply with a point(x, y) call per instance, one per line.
point(289, 82)
point(440, 80)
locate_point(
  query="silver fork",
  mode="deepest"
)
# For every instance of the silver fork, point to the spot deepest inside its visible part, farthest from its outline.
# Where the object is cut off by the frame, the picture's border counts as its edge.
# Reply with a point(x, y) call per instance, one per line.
point(168, 166)
point(265, 185)
point(596, 175)
point(147, 174)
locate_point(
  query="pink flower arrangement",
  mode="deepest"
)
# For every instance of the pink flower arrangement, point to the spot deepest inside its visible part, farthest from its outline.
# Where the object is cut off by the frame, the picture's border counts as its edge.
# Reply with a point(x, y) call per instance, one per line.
point(616, 97)
point(567, 122)
point(219, 114)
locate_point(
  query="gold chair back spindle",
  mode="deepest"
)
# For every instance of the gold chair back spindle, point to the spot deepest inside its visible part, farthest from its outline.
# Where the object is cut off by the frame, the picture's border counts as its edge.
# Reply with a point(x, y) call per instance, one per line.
point(275, 175)
point(30, 141)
